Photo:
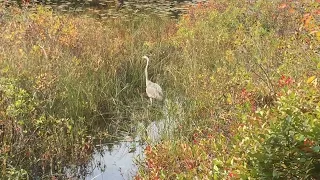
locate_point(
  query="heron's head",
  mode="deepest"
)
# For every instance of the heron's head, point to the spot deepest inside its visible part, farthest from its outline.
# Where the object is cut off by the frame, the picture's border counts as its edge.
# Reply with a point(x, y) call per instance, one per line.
point(146, 58)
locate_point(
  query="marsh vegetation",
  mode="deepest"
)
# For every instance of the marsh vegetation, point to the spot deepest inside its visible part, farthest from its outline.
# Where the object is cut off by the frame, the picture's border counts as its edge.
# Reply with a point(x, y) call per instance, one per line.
point(240, 81)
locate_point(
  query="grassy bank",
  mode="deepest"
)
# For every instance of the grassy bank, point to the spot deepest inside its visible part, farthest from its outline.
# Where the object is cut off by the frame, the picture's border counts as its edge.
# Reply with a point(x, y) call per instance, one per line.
point(244, 73)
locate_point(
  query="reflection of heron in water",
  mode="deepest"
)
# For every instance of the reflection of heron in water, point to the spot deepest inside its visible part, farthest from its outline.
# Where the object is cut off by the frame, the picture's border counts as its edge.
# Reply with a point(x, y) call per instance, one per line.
point(153, 90)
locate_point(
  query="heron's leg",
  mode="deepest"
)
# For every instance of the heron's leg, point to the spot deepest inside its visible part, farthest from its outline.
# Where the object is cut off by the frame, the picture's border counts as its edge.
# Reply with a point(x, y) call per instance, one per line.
point(151, 101)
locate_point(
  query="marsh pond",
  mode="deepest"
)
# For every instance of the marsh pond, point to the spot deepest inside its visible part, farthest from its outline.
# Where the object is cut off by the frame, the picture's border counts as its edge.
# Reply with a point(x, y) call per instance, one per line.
point(104, 9)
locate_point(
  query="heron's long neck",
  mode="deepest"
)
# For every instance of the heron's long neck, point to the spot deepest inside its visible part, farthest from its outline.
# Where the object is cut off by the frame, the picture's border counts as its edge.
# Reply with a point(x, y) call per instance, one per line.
point(146, 72)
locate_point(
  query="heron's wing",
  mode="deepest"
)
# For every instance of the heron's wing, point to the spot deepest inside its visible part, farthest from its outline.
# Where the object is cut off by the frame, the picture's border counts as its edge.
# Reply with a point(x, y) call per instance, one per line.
point(158, 88)
point(154, 90)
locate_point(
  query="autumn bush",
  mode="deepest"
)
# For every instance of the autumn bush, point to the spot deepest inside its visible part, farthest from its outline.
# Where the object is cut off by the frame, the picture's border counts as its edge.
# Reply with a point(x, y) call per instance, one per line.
point(34, 144)
point(290, 148)
point(280, 142)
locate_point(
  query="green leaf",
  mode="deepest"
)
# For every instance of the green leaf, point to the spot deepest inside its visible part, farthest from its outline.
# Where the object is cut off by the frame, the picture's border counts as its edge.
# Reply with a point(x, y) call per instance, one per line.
point(215, 167)
point(302, 160)
point(21, 122)
point(215, 176)
point(300, 137)
point(316, 148)
point(217, 162)
point(275, 173)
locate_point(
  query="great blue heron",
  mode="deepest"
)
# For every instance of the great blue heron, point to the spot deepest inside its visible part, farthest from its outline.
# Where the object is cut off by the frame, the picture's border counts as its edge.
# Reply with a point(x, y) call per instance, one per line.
point(153, 90)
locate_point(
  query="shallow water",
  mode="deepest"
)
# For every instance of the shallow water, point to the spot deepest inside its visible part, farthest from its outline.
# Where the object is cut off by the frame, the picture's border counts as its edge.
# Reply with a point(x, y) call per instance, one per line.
point(118, 160)
point(118, 163)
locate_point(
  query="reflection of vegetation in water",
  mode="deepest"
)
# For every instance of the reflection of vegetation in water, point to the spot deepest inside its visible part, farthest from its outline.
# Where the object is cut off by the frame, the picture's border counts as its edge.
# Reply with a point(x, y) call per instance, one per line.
point(110, 9)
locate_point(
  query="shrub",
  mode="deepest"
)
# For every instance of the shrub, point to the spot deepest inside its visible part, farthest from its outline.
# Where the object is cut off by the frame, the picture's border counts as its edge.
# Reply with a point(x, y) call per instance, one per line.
point(31, 140)
point(290, 148)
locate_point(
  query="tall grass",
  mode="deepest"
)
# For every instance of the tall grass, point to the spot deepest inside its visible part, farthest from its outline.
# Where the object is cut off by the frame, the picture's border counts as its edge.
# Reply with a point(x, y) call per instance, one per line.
point(80, 65)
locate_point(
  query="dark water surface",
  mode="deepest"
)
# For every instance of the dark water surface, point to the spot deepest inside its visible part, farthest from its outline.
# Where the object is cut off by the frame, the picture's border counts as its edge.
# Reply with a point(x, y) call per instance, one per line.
point(118, 158)
point(110, 8)
point(113, 160)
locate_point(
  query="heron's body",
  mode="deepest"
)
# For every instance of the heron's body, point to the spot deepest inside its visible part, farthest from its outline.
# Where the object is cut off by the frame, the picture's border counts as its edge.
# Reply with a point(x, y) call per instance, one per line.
point(153, 90)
